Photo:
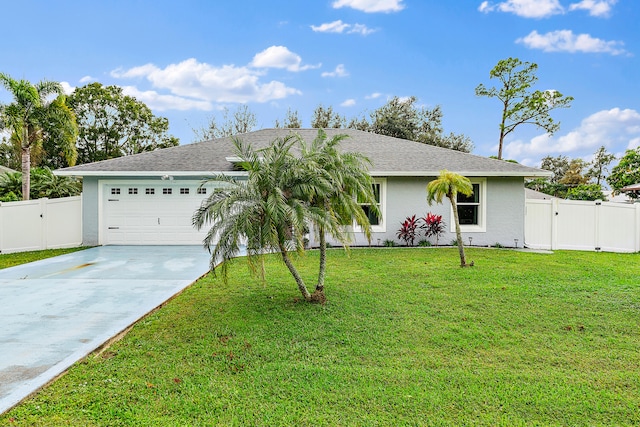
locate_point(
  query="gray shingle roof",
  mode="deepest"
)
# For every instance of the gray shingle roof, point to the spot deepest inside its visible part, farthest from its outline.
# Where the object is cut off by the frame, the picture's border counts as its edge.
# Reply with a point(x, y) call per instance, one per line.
point(389, 157)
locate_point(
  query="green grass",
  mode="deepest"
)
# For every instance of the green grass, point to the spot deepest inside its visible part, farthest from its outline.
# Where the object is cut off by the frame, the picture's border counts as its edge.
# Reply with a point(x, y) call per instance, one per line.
point(407, 339)
point(10, 260)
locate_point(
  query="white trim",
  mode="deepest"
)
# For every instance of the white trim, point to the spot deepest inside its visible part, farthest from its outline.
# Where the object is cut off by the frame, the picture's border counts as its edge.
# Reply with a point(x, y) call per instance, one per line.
point(527, 174)
point(482, 212)
point(148, 174)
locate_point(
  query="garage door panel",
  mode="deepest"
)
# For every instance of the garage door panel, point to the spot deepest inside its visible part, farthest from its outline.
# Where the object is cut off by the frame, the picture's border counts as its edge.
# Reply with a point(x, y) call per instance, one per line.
point(134, 216)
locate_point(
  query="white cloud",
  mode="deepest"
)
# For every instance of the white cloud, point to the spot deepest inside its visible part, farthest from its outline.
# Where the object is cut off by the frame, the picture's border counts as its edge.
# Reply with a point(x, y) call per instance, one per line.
point(374, 95)
point(566, 41)
point(160, 102)
point(67, 88)
point(616, 129)
point(341, 27)
point(200, 83)
point(599, 8)
point(348, 103)
point(87, 79)
point(524, 8)
point(280, 57)
point(371, 6)
point(340, 71)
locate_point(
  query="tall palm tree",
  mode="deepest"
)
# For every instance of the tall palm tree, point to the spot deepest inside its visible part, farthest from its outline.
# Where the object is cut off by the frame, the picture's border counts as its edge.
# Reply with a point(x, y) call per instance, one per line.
point(349, 185)
point(260, 212)
point(30, 116)
point(449, 184)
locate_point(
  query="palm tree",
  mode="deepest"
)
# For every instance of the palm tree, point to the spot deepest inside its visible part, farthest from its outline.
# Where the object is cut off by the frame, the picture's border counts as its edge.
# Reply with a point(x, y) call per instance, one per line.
point(260, 212)
point(30, 116)
point(349, 185)
point(449, 184)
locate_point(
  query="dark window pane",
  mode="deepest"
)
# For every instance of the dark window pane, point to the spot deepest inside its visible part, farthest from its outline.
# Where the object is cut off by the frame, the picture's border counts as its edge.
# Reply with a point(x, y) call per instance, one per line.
point(474, 198)
point(468, 215)
point(373, 219)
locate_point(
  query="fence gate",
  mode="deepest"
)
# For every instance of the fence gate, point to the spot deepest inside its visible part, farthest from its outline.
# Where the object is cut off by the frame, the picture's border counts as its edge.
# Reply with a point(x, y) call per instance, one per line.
point(580, 225)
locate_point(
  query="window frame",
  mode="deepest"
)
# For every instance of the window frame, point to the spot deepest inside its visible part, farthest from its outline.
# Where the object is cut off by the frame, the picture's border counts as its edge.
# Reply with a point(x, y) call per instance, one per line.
point(481, 227)
point(382, 226)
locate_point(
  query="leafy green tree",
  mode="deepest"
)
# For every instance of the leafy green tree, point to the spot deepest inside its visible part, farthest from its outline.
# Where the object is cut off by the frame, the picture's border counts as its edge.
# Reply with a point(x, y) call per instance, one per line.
point(292, 121)
point(598, 167)
point(349, 185)
point(586, 192)
point(112, 124)
point(262, 211)
point(242, 120)
point(520, 104)
point(401, 118)
point(626, 172)
point(32, 117)
point(448, 185)
point(43, 184)
point(46, 184)
point(326, 118)
point(558, 165)
point(454, 142)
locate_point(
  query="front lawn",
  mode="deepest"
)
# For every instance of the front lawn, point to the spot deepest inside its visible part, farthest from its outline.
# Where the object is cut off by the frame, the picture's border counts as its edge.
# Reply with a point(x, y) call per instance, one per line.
point(10, 260)
point(406, 338)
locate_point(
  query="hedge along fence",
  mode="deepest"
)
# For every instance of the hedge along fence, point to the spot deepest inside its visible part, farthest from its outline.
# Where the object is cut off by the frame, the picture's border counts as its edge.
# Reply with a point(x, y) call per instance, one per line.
point(40, 224)
point(578, 225)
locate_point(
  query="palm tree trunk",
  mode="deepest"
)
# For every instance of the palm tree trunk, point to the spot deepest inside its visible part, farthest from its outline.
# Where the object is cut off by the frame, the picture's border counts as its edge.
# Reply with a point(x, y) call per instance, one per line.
point(323, 259)
point(26, 172)
point(294, 272)
point(454, 205)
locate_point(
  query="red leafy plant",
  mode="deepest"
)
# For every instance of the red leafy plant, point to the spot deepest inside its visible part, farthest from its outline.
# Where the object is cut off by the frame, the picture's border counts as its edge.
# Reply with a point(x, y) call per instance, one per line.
point(407, 231)
point(433, 226)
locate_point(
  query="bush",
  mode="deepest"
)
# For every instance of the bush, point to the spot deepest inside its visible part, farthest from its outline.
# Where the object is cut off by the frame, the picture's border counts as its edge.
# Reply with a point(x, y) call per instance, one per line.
point(586, 192)
point(389, 243)
point(433, 226)
point(424, 243)
point(407, 230)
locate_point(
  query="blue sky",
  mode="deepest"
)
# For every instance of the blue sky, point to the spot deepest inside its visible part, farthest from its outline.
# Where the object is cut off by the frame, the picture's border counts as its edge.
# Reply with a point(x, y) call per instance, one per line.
point(187, 60)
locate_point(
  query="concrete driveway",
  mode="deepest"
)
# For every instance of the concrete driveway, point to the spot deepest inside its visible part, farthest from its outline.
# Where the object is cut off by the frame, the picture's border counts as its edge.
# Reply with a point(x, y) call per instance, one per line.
point(56, 311)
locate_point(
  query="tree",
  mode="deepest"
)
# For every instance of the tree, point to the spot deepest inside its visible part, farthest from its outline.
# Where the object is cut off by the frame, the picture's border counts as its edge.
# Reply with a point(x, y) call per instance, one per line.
point(626, 172)
point(43, 184)
point(261, 211)
point(326, 118)
point(401, 118)
point(598, 166)
point(33, 117)
point(449, 184)
point(558, 165)
point(112, 124)
point(573, 176)
point(454, 142)
point(349, 185)
point(292, 121)
point(240, 121)
point(586, 192)
point(521, 105)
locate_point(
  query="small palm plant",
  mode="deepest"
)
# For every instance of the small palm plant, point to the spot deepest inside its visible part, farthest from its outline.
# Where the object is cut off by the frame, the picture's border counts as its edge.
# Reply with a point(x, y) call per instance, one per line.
point(448, 185)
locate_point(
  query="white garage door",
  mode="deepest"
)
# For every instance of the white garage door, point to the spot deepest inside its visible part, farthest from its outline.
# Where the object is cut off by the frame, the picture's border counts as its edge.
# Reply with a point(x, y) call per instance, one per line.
point(152, 214)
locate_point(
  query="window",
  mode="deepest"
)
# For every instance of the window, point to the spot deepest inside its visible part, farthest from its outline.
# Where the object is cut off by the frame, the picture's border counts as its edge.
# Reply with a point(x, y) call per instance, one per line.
point(471, 209)
point(377, 222)
point(149, 191)
point(184, 191)
point(115, 191)
point(202, 190)
point(166, 191)
point(133, 191)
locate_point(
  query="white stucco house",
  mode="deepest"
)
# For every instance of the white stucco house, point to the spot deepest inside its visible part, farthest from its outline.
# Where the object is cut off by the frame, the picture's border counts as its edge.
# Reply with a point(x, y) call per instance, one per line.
point(149, 198)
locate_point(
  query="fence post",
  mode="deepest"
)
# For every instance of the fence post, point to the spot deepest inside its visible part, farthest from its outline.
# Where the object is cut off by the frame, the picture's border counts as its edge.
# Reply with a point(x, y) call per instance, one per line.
point(555, 206)
point(43, 223)
point(596, 225)
point(637, 227)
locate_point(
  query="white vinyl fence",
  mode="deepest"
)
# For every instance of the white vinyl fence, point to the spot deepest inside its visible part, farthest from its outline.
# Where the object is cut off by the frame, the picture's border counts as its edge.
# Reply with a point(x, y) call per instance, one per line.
point(40, 224)
point(579, 225)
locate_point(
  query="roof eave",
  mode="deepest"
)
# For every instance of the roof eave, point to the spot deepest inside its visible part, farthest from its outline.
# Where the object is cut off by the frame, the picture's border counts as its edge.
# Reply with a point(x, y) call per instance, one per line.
point(147, 173)
point(524, 174)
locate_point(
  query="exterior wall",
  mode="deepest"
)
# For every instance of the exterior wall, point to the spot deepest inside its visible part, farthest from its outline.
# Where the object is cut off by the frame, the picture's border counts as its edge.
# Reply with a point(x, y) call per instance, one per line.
point(90, 211)
point(406, 196)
